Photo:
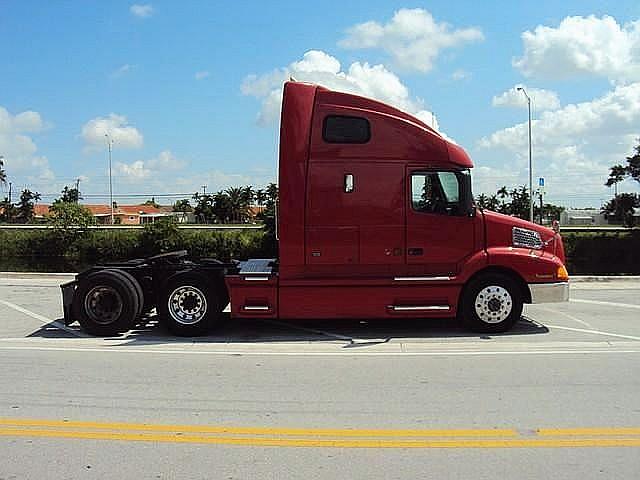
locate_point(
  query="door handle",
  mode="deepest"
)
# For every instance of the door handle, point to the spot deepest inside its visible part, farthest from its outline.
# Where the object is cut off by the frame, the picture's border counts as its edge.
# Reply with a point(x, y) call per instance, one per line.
point(415, 251)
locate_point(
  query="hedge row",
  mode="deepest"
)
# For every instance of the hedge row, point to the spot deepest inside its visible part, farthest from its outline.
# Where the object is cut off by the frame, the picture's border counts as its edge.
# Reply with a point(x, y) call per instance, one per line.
point(603, 253)
point(49, 250)
point(587, 253)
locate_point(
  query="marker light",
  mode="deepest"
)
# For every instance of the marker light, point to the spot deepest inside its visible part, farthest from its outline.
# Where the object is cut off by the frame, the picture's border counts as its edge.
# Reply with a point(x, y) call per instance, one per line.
point(562, 273)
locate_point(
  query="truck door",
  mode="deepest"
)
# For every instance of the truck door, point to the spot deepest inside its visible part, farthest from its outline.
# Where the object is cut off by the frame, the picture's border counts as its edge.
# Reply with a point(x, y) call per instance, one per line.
point(440, 233)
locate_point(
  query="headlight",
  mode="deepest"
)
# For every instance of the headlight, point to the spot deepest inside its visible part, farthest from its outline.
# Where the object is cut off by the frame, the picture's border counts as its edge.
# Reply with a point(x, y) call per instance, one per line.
point(523, 237)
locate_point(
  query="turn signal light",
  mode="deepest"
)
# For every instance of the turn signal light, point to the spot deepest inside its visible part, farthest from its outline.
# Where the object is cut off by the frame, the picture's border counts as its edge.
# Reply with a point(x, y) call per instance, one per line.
point(562, 273)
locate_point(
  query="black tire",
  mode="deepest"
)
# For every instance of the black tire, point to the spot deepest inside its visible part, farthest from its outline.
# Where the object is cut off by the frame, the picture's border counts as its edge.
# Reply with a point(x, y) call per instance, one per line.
point(491, 303)
point(128, 278)
point(189, 305)
point(105, 303)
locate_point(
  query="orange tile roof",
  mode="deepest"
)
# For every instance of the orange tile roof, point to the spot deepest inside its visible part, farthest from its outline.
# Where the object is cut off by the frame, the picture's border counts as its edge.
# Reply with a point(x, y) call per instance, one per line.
point(41, 210)
point(138, 209)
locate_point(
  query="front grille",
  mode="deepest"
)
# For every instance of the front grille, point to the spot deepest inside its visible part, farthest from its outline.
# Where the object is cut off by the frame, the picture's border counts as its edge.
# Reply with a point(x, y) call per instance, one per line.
point(523, 237)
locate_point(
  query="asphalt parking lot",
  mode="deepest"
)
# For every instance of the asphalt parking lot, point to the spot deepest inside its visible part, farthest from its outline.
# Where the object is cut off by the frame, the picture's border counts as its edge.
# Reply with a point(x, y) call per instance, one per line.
point(555, 397)
point(600, 311)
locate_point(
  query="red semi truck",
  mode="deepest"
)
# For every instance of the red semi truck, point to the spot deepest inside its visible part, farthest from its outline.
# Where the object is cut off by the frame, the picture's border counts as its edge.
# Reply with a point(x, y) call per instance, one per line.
point(375, 219)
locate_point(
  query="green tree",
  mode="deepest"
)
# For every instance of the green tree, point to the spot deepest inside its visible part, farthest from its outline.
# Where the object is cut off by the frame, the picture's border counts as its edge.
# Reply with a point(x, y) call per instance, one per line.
point(261, 197)
point(487, 203)
point(7, 211)
point(519, 206)
point(248, 195)
point(24, 210)
point(619, 172)
point(204, 208)
point(70, 215)
point(183, 207)
point(272, 192)
point(237, 203)
point(621, 208)
point(222, 207)
point(70, 195)
point(151, 203)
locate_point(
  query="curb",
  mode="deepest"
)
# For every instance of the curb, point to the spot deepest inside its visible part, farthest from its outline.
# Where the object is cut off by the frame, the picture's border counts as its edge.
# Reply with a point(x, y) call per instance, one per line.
point(603, 278)
point(9, 275)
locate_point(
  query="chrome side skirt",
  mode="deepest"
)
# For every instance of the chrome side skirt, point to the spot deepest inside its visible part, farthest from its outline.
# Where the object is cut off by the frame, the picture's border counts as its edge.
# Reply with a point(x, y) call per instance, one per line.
point(421, 279)
point(419, 308)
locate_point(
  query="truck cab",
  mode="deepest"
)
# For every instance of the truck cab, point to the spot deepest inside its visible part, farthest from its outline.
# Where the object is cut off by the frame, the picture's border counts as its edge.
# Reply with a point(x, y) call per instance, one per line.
point(375, 219)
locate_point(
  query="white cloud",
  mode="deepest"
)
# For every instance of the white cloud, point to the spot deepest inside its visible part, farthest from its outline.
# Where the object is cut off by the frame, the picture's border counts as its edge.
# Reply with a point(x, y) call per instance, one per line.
point(132, 172)
point(141, 11)
point(122, 70)
point(19, 150)
point(540, 99)
point(577, 144)
point(319, 67)
point(201, 75)
point(123, 134)
point(412, 37)
point(166, 161)
point(161, 168)
point(460, 75)
point(582, 45)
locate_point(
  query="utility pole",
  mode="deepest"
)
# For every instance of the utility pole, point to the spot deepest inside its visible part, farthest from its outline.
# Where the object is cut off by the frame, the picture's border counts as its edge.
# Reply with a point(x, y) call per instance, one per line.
point(521, 89)
point(110, 146)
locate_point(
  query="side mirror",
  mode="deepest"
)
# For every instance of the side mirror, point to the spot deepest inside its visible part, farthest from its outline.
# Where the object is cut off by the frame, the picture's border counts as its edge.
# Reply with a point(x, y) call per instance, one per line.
point(466, 199)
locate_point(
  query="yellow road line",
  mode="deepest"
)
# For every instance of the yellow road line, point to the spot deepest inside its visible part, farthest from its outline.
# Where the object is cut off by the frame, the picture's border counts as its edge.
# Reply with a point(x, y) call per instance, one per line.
point(608, 431)
point(340, 443)
point(307, 432)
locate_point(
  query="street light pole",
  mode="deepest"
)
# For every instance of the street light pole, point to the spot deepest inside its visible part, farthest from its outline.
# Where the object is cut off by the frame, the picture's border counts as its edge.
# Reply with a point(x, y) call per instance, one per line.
point(110, 146)
point(521, 89)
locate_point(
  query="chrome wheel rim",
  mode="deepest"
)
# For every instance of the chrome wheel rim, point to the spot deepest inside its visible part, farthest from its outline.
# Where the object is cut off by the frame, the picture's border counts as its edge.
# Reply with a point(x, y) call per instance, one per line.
point(103, 304)
point(493, 304)
point(187, 305)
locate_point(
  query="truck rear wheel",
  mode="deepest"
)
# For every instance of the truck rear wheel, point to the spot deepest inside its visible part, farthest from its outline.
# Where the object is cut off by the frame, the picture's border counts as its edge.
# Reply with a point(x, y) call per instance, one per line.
point(106, 303)
point(189, 306)
point(491, 303)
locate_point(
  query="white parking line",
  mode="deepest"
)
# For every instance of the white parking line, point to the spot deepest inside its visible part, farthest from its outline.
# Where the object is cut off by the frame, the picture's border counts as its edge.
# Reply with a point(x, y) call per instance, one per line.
point(44, 320)
point(309, 330)
point(570, 317)
point(610, 304)
point(595, 332)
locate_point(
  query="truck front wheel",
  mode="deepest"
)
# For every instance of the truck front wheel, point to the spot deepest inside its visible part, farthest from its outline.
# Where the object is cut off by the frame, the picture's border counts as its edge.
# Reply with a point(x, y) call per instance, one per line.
point(189, 306)
point(491, 303)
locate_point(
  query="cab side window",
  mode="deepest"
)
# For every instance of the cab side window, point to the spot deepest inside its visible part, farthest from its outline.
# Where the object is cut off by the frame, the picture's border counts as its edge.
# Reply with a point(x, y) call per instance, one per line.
point(435, 192)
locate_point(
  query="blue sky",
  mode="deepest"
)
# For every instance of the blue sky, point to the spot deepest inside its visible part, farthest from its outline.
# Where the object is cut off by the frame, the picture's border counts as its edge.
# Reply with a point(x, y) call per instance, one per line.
point(189, 90)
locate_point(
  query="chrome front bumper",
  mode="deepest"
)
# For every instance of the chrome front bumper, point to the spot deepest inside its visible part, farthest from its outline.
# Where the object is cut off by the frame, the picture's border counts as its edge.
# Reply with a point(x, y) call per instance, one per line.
point(549, 292)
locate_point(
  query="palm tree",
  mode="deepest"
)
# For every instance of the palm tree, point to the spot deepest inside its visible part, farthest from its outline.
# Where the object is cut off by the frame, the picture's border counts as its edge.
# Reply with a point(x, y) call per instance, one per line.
point(503, 193)
point(221, 207)
point(272, 192)
point(236, 203)
point(261, 196)
point(248, 195)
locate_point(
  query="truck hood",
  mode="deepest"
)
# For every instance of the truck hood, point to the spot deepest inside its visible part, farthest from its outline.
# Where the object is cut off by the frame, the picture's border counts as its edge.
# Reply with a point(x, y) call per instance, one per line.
point(499, 229)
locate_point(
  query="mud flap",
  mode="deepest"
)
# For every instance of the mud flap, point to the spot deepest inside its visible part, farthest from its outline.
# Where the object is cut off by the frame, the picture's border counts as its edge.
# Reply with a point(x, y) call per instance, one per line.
point(68, 292)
